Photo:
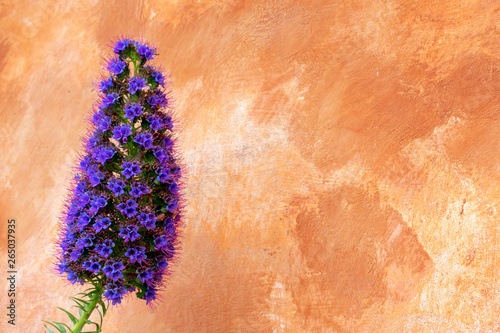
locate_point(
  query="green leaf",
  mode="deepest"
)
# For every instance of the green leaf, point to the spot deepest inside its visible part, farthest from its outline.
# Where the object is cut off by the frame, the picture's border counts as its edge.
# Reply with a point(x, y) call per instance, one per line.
point(58, 326)
point(81, 303)
point(48, 329)
point(70, 315)
point(61, 326)
point(100, 316)
point(97, 327)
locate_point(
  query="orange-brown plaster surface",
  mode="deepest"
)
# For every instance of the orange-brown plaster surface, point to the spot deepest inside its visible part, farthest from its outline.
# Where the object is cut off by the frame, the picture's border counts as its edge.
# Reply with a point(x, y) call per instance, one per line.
point(342, 159)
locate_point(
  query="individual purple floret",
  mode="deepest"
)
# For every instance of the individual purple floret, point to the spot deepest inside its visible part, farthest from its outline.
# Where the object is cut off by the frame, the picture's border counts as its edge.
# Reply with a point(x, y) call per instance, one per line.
point(173, 188)
point(136, 83)
point(84, 242)
point(101, 121)
point(109, 99)
point(116, 186)
point(83, 220)
point(172, 206)
point(73, 277)
point(160, 154)
point(162, 265)
point(114, 293)
point(122, 132)
point(129, 233)
point(102, 224)
point(156, 123)
point(158, 99)
point(163, 176)
point(101, 154)
point(75, 254)
point(146, 275)
point(145, 51)
point(92, 265)
point(167, 143)
point(150, 295)
point(128, 208)
point(145, 140)
point(95, 176)
point(105, 249)
point(130, 169)
point(132, 110)
point(136, 254)
point(147, 220)
point(161, 243)
point(114, 270)
point(116, 66)
point(105, 84)
point(96, 204)
point(121, 45)
point(139, 190)
point(158, 77)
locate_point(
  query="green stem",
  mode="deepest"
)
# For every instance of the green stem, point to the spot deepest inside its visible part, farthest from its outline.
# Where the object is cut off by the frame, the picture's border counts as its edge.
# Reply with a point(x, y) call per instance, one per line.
point(88, 310)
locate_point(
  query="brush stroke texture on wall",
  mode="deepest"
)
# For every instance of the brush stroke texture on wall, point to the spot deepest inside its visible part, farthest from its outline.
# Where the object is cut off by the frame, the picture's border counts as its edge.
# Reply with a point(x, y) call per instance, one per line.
point(342, 159)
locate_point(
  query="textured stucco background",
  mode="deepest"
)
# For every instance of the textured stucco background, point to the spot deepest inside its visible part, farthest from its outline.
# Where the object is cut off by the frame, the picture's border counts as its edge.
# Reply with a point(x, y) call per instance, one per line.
point(342, 159)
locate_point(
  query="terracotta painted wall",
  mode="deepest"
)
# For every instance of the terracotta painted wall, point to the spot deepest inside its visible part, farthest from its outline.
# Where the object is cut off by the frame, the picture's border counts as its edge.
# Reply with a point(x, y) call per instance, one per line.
point(343, 159)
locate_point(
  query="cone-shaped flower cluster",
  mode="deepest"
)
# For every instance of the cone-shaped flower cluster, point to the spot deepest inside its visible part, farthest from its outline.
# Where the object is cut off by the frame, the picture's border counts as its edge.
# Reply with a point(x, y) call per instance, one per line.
point(120, 228)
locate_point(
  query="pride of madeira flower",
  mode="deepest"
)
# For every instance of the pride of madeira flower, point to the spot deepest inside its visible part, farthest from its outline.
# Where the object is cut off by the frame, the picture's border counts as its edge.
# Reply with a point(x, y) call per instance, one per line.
point(119, 231)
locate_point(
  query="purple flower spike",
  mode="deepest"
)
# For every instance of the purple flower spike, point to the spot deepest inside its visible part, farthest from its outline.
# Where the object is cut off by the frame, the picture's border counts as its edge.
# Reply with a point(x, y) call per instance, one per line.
point(121, 218)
